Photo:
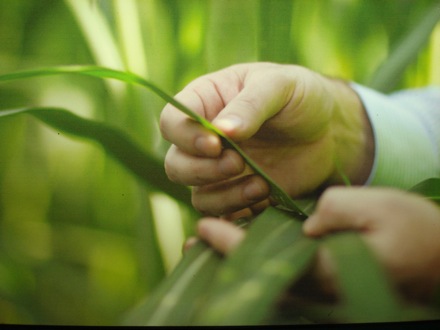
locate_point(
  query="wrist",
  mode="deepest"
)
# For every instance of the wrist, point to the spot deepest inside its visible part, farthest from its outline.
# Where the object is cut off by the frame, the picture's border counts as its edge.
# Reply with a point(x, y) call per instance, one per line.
point(353, 136)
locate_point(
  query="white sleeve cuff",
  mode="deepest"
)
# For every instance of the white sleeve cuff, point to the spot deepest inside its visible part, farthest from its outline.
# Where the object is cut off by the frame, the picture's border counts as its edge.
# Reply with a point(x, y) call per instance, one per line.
point(404, 153)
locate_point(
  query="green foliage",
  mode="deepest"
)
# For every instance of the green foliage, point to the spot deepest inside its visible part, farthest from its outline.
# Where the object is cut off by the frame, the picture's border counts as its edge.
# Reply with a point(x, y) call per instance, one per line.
point(389, 72)
point(124, 150)
point(114, 142)
point(245, 288)
point(82, 239)
point(250, 281)
point(429, 188)
point(183, 293)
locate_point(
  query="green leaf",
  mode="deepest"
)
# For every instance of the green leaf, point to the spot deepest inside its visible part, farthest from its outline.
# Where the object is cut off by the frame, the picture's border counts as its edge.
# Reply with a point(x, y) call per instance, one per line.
point(273, 254)
point(180, 295)
point(115, 142)
point(246, 284)
point(366, 292)
point(429, 188)
point(276, 192)
point(389, 72)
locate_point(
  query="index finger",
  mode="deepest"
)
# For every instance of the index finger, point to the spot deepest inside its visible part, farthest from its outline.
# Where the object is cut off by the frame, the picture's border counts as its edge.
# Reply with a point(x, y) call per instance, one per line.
point(185, 132)
point(204, 98)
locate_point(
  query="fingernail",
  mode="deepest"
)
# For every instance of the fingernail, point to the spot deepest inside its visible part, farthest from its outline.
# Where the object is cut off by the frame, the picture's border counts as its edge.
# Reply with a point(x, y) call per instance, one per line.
point(254, 191)
point(231, 166)
point(229, 123)
point(207, 145)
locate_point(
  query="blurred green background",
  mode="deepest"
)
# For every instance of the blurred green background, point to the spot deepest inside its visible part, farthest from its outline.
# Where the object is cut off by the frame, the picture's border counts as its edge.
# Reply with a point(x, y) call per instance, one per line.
point(81, 239)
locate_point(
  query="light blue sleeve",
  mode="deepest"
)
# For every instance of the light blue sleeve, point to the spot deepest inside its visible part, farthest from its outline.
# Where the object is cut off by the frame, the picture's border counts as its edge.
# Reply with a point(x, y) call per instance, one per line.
point(406, 127)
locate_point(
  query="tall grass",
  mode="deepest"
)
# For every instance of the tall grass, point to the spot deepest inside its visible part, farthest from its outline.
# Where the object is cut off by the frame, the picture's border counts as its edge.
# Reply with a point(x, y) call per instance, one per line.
point(82, 238)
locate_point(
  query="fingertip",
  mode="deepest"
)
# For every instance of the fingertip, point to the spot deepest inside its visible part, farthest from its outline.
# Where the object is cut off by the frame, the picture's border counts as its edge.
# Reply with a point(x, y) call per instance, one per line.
point(229, 124)
point(231, 163)
point(208, 145)
point(220, 234)
point(256, 190)
point(310, 226)
point(204, 227)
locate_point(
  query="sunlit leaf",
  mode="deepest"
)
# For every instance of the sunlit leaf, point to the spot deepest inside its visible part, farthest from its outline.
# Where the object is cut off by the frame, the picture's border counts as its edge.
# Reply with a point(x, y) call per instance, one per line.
point(276, 192)
point(114, 142)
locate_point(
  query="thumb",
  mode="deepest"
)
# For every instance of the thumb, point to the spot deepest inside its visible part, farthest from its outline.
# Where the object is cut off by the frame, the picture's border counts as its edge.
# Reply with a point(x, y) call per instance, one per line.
point(261, 98)
point(338, 209)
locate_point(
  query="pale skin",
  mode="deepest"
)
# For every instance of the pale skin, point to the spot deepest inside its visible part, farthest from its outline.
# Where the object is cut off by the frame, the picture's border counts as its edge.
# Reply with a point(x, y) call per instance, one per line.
point(292, 121)
point(299, 127)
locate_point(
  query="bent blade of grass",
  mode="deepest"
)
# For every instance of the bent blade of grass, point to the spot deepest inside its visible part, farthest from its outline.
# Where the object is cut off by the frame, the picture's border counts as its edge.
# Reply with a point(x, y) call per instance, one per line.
point(247, 286)
point(276, 192)
point(181, 294)
point(115, 142)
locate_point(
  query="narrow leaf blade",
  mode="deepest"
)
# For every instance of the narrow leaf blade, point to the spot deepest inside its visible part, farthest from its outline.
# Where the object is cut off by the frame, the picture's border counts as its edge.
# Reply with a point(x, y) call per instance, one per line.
point(114, 142)
point(276, 192)
point(367, 295)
